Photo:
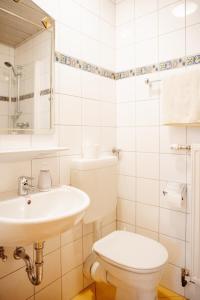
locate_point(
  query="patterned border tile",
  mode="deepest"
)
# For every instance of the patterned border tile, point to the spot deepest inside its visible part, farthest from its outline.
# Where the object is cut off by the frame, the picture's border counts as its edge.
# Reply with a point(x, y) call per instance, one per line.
point(26, 96)
point(82, 65)
point(163, 66)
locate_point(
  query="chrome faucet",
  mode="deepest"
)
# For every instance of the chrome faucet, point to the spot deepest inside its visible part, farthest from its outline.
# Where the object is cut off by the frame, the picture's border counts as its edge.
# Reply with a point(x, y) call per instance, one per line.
point(23, 185)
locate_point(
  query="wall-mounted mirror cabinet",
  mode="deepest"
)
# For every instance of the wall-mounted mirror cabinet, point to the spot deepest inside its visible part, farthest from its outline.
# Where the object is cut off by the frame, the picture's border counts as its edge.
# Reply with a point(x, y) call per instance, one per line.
point(26, 67)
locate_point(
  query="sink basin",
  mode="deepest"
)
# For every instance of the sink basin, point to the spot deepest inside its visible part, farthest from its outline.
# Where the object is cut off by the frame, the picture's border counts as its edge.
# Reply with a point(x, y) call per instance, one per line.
point(39, 216)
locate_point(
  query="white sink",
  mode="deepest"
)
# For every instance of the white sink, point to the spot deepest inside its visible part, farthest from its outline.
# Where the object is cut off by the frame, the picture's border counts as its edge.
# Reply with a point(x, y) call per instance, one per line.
point(22, 222)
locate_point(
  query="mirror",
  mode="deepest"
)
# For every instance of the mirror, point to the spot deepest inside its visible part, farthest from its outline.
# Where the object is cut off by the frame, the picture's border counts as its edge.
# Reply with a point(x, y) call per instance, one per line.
point(26, 67)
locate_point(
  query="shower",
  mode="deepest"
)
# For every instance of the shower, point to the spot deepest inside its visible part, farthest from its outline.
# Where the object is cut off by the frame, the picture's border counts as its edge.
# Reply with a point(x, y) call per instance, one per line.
point(9, 65)
point(17, 75)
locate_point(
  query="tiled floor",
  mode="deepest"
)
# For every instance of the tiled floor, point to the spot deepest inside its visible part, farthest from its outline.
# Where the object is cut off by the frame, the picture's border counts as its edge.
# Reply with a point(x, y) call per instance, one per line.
point(104, 292)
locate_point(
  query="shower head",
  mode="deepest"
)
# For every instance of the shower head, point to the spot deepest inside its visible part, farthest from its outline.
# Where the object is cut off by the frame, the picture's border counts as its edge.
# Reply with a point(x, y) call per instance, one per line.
point(9, 65)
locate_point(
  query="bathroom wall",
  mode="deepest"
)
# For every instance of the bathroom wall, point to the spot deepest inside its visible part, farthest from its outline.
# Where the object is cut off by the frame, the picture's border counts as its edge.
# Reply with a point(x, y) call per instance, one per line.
point(147, 33)
point(85, 113)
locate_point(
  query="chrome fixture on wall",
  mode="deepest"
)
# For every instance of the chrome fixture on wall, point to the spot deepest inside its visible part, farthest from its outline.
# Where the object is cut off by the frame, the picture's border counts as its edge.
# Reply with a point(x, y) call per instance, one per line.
point(116, 152)
point(34, 270)
point(180, 147)
point(17, 73)
point(23, 185)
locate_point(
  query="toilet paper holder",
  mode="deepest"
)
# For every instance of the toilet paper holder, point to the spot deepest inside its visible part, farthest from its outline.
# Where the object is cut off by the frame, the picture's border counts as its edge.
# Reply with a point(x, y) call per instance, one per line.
point(165, 193)
point(175, 193)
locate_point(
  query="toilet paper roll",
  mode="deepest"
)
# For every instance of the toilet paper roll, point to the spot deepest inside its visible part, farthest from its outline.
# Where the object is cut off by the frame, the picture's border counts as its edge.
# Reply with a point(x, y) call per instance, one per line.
point(174, 194)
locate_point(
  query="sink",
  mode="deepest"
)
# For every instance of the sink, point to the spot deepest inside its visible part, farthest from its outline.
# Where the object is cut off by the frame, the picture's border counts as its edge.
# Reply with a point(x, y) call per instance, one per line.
point(39, 216)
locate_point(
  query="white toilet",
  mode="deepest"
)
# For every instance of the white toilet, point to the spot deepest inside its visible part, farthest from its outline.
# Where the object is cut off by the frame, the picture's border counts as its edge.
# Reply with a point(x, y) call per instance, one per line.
point(130, 262)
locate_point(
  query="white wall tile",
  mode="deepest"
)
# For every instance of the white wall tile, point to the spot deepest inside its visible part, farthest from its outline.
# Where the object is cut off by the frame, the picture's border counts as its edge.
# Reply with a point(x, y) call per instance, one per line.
point(172, 45)
point(127, 163)
point(147, 113)
point(124, 12)
point(125, 90)
point(108, 139)
point(90, 85)
point(70, 14)
point(163, 3)
point(107, 11)
point(177, 170)
point(148, 233)
point(51, 292)
point(144, 57)
point(125, 227)
point(125, 114)
point(143, 7)
point(171, 135)
point(172, 223)
point(88, 241)
point(11, 171)
point(126, 139)
point(91, 113)
point(71, 256)
point(90, 50)
point(147, 165)
point(90, 24)
point(126, 211)
point(65, 86)
point(168, 21)
point(171, 279)
point(147, 216)
point(72, 283)
point(126, 187)
point(192, 41)
point(193, 18)
point(71, 235)
point(93, 6)
point(67, 40)
point(142, 24)
point(125, 35)
point(16, 280)
point(108, 114)
point(176, 250)
point(125, 58)
point(147, 191)
point(147, 139)
point(71, 137)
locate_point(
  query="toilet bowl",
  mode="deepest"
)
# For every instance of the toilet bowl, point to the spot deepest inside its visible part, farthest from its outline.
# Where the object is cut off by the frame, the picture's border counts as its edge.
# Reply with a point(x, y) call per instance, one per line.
point(130, 262)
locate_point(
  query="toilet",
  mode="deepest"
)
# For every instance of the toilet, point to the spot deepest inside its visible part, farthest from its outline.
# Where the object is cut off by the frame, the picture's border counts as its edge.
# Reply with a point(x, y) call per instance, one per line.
point(128, 261)
point(131, 262)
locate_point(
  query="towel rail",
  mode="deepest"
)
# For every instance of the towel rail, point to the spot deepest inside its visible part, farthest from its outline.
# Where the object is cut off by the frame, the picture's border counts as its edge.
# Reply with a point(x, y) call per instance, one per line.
point(150, 82)
point(180, 147)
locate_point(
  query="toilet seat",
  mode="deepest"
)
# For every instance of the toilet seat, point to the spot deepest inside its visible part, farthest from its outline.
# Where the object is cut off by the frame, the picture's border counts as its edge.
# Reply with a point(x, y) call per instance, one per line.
point(132, 252)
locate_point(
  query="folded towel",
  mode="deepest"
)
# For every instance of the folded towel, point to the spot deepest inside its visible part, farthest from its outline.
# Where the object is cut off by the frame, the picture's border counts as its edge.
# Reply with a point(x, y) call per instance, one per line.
point(180, 99)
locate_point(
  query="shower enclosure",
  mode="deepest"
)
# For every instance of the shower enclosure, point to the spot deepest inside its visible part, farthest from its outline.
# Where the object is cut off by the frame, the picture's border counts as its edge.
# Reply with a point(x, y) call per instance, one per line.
point(14, 96)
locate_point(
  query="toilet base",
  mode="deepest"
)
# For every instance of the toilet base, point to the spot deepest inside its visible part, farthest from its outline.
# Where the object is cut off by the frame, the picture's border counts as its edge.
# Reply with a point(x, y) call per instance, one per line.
point(129, 294)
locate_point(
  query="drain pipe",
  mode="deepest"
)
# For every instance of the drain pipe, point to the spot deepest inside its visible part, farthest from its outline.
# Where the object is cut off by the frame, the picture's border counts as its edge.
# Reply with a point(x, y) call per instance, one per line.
point(34, 272)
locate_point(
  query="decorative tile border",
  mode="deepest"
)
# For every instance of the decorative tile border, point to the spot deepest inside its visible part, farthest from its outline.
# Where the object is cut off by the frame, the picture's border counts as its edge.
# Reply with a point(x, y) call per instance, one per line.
point(163, 66)
point(82, 65)
point(26, 96)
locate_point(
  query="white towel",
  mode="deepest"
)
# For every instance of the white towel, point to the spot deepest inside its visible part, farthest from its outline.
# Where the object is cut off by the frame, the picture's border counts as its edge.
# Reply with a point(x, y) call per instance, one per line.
point(180, 100)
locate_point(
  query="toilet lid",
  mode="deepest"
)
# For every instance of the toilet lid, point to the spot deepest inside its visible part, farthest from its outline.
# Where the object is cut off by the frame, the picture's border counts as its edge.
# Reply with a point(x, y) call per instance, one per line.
point(131, 251)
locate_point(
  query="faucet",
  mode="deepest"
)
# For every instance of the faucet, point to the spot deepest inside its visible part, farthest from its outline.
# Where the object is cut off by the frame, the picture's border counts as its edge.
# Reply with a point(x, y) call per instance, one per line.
point(23, 185)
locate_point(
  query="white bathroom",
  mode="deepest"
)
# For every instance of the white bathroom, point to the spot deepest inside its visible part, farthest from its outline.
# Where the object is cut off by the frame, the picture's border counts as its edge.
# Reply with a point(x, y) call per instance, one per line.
point(99, 149)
